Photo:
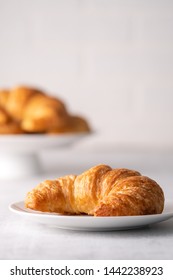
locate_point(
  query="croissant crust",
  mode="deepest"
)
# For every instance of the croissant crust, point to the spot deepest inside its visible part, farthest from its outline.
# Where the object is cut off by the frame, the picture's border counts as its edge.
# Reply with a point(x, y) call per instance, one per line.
point(100, 191)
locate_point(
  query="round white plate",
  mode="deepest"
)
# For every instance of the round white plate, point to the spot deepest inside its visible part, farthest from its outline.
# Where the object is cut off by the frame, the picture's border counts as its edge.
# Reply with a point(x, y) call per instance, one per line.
point(91, 223)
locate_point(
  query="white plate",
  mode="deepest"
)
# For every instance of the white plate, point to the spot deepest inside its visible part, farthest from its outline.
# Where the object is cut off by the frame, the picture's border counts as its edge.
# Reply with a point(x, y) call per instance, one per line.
point(91, 223)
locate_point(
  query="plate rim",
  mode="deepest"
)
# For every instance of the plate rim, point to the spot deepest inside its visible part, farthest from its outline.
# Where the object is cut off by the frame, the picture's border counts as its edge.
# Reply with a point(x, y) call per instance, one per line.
point(89, 223)
point(13, 207)
point(12, 137)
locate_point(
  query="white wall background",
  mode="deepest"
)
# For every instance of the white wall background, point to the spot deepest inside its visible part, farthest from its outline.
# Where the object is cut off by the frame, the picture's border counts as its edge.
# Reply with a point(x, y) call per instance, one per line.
point(110, 60)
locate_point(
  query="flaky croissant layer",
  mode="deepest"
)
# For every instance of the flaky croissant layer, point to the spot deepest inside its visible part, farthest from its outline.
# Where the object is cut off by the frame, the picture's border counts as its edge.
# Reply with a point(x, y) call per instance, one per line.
point(99, 191)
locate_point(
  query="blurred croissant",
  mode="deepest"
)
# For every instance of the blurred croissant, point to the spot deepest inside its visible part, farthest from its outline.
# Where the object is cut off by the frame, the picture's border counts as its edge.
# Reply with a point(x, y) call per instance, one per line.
point(100, 191)
point(36, 112)
point(4, 117)
point(7, 125)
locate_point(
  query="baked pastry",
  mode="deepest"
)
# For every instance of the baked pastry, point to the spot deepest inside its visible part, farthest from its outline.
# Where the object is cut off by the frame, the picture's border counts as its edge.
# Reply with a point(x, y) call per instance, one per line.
point(7, 125)
point(11, 128)
point(37, 112)
point(4, 94)
point(73, 124)
point(44, 113)
point(18, 99)
point(4, 117)
point(99, 191)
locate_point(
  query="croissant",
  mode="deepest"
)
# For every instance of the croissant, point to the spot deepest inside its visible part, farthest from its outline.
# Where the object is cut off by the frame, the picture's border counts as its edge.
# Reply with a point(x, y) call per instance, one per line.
point(4, 117)
point(7, 125)
point(36, 112)
point(44, 113)
point(99, 191)
point(11, 128)
point(4, 94)
point(18, 99)
point(74, 124)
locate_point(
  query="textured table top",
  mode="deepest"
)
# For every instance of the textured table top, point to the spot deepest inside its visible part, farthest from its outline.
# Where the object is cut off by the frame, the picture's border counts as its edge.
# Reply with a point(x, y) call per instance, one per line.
point(22, 239)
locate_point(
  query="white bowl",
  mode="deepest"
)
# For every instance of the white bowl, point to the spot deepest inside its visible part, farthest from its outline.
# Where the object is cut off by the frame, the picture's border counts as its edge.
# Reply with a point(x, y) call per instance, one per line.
point(19, 153)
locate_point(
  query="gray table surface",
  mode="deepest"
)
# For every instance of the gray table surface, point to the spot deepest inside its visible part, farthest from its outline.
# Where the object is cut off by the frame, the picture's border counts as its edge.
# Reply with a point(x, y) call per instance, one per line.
point(22, 239)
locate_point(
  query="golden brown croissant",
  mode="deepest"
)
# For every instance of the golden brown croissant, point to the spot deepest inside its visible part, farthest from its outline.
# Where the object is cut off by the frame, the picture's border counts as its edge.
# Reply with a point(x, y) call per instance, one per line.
point(4, 94)
point(4, 117)
point(100, 191)
point(36, 112)
point(73, 124)
point(7, 125)
point(43, 113)
point(18, 99)
point(11, 128)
